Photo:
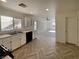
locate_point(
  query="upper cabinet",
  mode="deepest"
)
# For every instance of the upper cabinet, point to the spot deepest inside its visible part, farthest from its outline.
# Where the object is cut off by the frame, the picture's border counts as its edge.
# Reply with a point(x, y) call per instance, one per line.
point(28, 21)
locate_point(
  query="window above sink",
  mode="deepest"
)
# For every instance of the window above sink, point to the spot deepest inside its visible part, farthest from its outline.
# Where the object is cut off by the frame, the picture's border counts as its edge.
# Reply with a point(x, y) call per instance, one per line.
point(9, 23)
point(6, 23)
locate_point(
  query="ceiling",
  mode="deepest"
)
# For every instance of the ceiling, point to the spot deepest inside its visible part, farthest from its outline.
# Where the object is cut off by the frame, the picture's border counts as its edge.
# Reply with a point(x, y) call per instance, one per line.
point(36, 7)
point(33, 6)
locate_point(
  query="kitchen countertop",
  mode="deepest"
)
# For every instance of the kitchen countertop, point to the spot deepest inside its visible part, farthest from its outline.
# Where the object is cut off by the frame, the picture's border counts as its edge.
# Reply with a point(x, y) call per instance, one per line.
point(9, 35)
point(5, 36)
point(26, 31)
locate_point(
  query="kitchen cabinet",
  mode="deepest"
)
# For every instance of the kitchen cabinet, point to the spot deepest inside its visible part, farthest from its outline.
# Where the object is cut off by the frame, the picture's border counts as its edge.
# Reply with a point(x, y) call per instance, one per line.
point(23, 39)
point(0, 42)
point(12, 42)
point(7, 42)
point(18, 40)
point(15, 42)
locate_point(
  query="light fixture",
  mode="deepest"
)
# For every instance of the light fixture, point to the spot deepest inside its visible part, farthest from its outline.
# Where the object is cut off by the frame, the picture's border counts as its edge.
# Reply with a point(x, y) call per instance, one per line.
point(51, 31)
point(4, 0)
point(31, 12)
point(47, 9)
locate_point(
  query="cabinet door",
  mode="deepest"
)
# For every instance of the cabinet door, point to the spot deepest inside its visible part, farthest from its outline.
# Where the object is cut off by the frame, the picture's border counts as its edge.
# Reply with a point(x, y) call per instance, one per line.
point(33, 34)
point(15, 42)
point(23, 39)
point(72, 30)
point(6, 43)
point(0, 41)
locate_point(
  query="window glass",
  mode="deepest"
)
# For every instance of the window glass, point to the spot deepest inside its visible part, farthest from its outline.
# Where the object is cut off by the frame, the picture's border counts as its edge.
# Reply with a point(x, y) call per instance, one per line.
point(6, 23)
point(35, 25)
point(17, 23)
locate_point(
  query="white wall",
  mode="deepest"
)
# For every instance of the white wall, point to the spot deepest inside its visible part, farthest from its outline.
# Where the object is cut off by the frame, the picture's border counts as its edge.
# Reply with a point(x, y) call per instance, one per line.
point(61, 24)
point(60, 28)
point(78, 29)
point(7, 12)
point(65, 8)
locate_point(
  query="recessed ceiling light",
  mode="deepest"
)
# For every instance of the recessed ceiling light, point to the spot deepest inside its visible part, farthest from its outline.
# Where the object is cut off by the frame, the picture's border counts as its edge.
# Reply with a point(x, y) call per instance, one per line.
point(31, 12)
point(4, 0)
point(47, 9)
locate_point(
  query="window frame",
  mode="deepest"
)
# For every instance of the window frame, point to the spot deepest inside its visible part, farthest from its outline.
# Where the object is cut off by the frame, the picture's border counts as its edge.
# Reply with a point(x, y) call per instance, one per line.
point(12, 22)
point(1, 25)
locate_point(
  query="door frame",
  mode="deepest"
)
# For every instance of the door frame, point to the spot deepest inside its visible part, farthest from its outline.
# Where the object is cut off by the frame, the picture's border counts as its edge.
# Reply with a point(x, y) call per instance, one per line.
point(66, 30)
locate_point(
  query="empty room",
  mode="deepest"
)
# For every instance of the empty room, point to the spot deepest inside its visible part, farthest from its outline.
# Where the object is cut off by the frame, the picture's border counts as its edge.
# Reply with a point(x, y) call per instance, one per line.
point(39, 29)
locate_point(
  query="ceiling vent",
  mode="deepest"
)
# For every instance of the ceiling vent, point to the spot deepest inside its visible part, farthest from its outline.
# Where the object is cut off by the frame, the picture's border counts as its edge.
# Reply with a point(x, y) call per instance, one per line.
point(22, 5)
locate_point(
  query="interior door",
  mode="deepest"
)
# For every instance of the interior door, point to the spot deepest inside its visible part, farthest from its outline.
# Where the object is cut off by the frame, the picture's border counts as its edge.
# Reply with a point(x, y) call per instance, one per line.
point(71, 31)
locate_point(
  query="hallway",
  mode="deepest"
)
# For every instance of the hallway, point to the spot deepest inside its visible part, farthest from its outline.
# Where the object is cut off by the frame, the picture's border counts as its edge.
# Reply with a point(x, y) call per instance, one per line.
point(45, 48)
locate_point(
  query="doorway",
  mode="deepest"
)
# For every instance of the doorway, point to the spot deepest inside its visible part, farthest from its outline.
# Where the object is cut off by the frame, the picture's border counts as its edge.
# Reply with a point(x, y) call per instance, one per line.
point(71, 30)
point(45, 29)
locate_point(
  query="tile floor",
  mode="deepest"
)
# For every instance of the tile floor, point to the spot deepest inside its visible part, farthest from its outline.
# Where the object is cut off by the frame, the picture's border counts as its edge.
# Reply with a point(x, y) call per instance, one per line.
point(46, 48)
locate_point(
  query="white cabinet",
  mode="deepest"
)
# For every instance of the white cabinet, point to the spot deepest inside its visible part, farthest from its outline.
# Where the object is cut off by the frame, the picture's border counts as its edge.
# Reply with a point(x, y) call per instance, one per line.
point(6, 42)
point(0, 42)
point(18, 40)
point(15, 42)
point(23, 39)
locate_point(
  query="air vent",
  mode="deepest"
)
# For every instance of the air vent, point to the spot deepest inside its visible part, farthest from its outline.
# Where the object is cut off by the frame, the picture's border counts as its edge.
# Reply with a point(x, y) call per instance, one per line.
point(22, 5)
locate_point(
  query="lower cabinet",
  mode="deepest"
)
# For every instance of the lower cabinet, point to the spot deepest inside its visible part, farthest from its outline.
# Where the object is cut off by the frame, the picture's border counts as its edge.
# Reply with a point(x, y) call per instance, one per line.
point(18, 40)
point(23, 39)
point(6, 43)
point(14, 41)
point(0, 42)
